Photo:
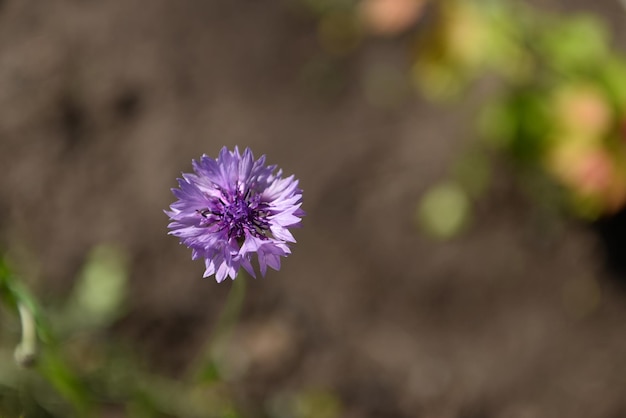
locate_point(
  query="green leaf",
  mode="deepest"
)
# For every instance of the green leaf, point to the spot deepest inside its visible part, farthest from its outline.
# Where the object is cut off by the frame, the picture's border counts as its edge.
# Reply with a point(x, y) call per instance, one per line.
point(444, 210)
point(575, 44)
point(101, 290)
point(613, 78)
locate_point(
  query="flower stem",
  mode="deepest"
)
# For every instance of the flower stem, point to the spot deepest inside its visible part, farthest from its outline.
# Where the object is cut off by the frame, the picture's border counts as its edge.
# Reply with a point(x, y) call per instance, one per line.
point(218, 342)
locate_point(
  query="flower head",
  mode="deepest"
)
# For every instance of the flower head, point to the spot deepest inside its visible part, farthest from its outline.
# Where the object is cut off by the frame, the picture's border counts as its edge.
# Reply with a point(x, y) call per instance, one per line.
point(233, 207)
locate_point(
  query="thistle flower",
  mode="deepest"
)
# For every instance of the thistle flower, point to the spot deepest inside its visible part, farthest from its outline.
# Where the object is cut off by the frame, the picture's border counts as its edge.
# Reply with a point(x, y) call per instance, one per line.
point(232, 208)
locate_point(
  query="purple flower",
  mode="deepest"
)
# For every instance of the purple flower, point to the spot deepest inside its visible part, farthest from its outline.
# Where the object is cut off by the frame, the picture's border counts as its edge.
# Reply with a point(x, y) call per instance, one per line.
point(232, 208)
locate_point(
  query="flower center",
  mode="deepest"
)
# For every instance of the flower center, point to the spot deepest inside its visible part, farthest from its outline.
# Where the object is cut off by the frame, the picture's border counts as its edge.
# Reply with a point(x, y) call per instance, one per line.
point(237, 213)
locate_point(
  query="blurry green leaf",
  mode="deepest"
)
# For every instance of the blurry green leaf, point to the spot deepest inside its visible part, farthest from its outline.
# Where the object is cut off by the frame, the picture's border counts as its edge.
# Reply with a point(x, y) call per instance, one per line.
point(61, 377)
point(497, 124)
point(507, 51)
point(444, 210)
point(511, 61)
point(209, 373)
point(527, 112)
point(613, 77)
point(8, 289)
point(586, 207)
point(574, 44)
point(48, 363)
point(101, 289)
point(14, 294)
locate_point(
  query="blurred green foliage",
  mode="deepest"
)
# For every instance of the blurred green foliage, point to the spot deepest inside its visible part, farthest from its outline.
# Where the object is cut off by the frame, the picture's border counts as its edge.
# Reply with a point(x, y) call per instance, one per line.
point(100, 292)
point(553, 102)
point(444, 210)
point(77, 371)
point(555, 112)
point(75, 368)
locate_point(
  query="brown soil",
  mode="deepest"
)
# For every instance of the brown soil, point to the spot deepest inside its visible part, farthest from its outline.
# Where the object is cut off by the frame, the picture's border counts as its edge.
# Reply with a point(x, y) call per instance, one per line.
point(103, 104)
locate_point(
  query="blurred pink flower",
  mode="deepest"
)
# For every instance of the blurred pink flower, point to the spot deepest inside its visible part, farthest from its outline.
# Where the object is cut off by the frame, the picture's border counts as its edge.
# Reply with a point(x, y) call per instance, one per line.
point(390, 17)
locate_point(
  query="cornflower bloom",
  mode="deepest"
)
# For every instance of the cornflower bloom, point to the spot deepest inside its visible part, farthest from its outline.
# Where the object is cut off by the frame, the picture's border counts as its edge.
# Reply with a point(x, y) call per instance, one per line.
point(233, 207)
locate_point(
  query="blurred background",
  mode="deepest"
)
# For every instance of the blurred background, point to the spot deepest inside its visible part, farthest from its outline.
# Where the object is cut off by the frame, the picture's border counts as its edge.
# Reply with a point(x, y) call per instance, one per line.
point(464, 174)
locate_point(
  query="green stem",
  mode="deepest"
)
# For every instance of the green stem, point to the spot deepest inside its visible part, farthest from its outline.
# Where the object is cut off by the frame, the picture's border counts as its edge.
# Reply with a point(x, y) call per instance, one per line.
point(218, 342)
